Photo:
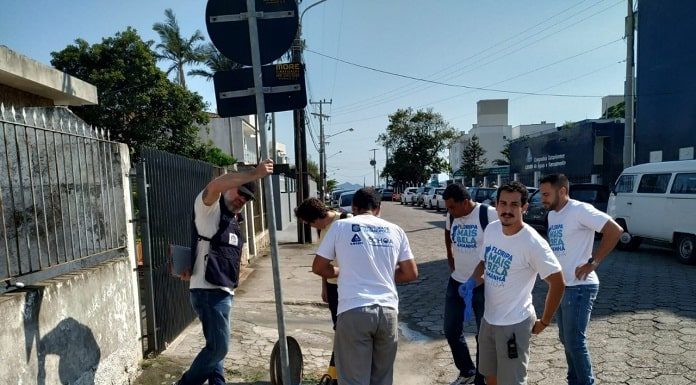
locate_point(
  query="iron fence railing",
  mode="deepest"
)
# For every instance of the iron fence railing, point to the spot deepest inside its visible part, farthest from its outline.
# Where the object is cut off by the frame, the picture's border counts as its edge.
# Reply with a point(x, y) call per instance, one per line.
point(61, 195)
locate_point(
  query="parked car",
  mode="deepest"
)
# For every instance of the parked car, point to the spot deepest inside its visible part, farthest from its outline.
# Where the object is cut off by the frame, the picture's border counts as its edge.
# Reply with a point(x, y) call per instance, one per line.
point(657, 201)
point(345, 202)
point(428, 200)
point(480, 194)
point(595, 194)
point(387, 193)
point(333, 202)
point(408, 194)
point(420, 201)
point(438, 202)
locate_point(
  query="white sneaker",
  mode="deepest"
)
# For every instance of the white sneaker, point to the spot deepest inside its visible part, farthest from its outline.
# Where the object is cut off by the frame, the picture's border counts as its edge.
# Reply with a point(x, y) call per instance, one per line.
point(461, 380)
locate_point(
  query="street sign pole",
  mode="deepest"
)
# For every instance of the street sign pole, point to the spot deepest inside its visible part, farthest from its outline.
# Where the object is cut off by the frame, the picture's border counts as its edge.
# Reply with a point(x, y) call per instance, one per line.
point(268, 188)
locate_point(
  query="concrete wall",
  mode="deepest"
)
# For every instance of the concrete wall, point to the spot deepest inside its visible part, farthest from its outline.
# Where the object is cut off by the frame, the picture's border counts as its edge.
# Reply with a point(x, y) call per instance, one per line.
point(23, 73)
point(80, 328)
point(18, 98)
point(285, 201)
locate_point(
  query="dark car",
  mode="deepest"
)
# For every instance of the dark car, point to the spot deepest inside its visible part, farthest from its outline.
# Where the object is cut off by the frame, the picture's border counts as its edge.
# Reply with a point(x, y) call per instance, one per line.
point(481, 194)
point(595, 194)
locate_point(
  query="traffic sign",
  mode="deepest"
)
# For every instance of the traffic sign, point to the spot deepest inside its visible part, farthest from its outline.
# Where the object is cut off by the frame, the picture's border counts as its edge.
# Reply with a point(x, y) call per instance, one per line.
point(283, 89)
point(228, 27)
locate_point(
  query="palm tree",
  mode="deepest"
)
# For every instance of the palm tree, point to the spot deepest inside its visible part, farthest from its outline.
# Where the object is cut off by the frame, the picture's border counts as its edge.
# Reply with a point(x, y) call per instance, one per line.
point(215, 61)
point(179, 50)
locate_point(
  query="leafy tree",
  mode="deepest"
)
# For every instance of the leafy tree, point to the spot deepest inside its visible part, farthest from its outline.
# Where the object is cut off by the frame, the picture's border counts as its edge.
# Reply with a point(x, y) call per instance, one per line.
point(179, 50)
point(415, 141)
point(505, 152)
point(137, 103)
point(472, 158)
point(313, 170)
point(616, 112)
point(331, 184)
point(215, 61)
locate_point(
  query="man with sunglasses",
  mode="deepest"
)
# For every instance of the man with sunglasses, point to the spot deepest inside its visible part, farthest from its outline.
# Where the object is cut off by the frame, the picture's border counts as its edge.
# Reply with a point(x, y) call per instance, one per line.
point(215, 261)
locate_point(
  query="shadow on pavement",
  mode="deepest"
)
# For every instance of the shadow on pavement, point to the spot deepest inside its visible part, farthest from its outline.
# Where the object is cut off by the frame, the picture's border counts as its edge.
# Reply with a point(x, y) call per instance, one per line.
point(649, 280)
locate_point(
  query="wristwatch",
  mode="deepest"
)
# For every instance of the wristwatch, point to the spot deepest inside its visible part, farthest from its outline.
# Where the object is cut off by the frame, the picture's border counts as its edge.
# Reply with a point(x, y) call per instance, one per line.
point(592, 262)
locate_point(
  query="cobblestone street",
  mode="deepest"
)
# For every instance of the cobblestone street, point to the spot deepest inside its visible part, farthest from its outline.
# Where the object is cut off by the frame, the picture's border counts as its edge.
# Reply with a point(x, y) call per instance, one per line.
point(643, 327)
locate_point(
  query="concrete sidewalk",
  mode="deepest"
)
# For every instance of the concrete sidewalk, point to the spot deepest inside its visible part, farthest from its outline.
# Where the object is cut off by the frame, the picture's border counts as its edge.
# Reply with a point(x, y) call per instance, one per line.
point(254, 323)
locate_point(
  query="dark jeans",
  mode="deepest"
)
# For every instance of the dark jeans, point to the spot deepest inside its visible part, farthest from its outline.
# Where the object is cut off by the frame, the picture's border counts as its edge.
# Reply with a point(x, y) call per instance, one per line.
point(332, 296)
point(454, 325)
point(573, 318)
point(213, 309)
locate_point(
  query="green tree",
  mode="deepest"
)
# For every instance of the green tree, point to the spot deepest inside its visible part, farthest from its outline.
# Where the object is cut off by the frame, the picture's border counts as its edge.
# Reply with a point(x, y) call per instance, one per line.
point(215, 62)
point(415, 140)
point(472, 158)
point(616, 112)
point(138, 105)
point(313, 170)
point(331, 184)
point(179, 50)
point(505, 152)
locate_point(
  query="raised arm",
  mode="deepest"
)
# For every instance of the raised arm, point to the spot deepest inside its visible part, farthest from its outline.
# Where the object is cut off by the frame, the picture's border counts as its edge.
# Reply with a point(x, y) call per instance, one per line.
point(217, 186)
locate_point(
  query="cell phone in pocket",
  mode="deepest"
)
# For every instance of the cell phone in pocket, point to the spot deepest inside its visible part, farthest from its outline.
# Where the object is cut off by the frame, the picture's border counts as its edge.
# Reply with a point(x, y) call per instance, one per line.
point(512, 347)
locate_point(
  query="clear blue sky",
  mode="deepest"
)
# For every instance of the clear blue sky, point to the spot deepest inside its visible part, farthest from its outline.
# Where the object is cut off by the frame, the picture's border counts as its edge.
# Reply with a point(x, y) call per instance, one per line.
point(538, 46)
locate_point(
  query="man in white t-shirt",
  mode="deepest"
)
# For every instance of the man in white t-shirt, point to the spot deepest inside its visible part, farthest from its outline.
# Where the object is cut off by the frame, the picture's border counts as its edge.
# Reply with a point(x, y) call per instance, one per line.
point(571, 229)
point(373, 256)
point(216, 251)
point(514, 253)
point(314, 212)
point(466, 220)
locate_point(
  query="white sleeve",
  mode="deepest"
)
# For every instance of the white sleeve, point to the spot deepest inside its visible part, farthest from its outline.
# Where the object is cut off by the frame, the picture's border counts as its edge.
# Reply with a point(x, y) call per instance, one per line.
point(405, 252)
point(202, 212)
point(541, 258)
point(447, 222)
point(327, 248)
point(592, 218)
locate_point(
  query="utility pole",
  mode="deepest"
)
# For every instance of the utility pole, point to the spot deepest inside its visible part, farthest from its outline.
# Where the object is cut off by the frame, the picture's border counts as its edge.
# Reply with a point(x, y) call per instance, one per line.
point(628, 156)
point(322, 146)
point(373, 162)
point(304, 232)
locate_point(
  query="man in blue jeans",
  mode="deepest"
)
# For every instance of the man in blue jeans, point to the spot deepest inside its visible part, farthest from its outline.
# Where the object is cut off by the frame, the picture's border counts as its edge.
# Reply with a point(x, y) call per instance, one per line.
point(215, 256)
point(571, 228)
point(464, 226)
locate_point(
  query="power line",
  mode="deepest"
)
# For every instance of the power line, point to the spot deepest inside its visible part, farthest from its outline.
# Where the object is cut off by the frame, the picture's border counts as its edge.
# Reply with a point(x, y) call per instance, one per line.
point(463, 70)
point(512, 37)
point(447, 84)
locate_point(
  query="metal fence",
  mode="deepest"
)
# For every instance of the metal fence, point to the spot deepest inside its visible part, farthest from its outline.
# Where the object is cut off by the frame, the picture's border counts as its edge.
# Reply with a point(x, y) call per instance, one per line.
point(167, 186)
point(61, 196)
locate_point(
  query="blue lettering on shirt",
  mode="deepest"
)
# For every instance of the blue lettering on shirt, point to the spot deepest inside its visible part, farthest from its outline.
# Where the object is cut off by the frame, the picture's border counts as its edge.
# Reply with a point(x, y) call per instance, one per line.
point(464, 236)
point(555, 234)
point(355, 228)
point(497, 264)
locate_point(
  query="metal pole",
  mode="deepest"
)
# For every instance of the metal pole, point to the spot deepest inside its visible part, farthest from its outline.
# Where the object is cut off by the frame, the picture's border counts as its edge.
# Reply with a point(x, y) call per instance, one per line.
point(304, 233)
point(268, 189)
point(628, 156)
point(273, 138)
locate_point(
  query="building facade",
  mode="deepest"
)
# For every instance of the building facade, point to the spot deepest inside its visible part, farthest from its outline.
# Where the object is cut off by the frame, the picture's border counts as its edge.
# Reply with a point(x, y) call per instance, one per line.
point(666, 88)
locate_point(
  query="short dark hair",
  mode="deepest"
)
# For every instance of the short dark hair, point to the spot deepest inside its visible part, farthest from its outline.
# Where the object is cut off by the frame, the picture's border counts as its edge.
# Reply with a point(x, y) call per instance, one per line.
point(456, 191)
point(367, 198)
point(311, 209)
point(558, 180)
point(514, 186)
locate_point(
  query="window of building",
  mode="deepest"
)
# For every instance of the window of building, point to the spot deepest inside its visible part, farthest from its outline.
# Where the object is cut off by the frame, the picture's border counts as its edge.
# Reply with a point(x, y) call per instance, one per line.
point(654, 183)
point(684, 184)
point(625, 184)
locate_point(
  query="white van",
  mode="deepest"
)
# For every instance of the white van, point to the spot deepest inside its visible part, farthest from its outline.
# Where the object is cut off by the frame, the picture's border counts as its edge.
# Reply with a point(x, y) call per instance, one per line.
point(657, 201)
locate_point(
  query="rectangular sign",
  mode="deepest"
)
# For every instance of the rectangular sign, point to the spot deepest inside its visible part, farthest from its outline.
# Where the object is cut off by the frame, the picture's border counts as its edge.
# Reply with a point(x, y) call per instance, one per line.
point(283, 89)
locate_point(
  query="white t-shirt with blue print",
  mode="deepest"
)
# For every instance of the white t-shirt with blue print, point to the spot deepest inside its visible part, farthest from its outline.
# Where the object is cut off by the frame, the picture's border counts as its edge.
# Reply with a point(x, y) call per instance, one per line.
point(511, 265)
point(368, 249)
point(571, 236)
point(467, 235)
